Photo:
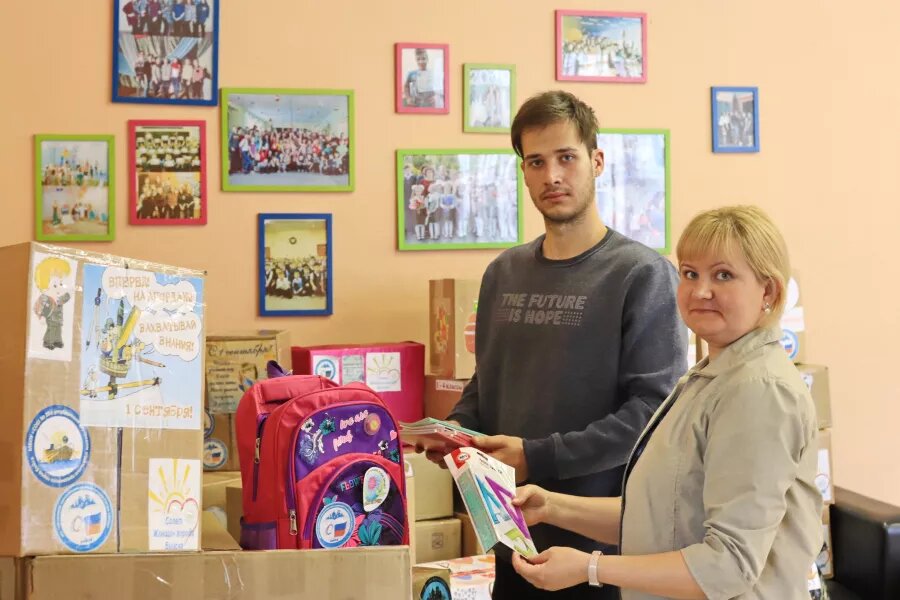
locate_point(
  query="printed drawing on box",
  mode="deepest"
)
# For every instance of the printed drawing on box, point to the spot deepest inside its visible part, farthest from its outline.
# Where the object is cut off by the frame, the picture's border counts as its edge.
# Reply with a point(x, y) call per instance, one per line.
point(140, 363)
point(52, 309)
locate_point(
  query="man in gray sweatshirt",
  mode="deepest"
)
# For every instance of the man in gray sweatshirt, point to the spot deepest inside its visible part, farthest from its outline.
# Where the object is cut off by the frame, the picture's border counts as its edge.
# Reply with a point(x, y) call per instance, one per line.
point(578, 334)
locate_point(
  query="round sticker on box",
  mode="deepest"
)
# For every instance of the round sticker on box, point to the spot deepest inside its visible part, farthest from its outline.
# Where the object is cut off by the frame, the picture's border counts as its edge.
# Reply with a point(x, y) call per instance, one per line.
point(58, 448)
point(326, 367)
point(82, 518)
point(209, 423)
point(335, 525)
point(375, 488)
point(435, 589)
point(791, 343)
point(215, 453)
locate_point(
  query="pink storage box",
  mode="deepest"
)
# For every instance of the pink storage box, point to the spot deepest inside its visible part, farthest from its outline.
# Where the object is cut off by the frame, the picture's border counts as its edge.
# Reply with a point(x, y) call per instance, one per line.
point(395, 370)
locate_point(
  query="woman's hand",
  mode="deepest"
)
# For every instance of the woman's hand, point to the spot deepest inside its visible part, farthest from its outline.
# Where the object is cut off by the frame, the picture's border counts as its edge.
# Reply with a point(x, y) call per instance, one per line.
point(534, 503)
point(554, 569)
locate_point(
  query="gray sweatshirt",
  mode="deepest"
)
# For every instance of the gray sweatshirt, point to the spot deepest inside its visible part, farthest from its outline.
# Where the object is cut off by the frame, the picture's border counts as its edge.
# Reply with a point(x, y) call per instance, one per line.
point(574, 356)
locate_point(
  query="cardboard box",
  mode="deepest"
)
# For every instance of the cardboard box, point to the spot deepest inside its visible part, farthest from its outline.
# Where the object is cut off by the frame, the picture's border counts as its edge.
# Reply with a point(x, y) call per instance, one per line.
point(451, 340)
point(441, 395)
point(234, 508)
point(215, 536)
point(395, 370)
point(103, 373)
point(433, 488)
point(410, 507)
point(825, 560)
point(824, 479)
point(816, 378)
point(235, 362)
point(214, 484)
point(696, 351)
point(470, 544)
point(361, 574)
point(439, 539)
point(220, 450)
point(430, 583)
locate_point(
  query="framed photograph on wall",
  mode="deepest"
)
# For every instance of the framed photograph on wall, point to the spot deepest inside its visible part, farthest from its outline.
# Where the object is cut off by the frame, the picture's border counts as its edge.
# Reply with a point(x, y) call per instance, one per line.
point(166, 51)
point(422, 78)
point(489, 96)
point(601, 46)
point(287, 140)
point(735, 119)
point(295, 275)
point(633, 192)
point(167, 172)
point(458, 199)
point(75, 188)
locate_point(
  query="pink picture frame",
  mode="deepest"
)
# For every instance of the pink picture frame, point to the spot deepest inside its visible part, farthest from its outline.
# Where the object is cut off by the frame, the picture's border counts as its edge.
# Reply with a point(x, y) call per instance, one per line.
point(422, 78)
point(167, 172)
point(601, 46)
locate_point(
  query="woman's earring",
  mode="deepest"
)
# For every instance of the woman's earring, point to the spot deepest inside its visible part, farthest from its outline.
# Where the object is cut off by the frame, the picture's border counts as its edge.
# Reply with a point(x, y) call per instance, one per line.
point(767, 308)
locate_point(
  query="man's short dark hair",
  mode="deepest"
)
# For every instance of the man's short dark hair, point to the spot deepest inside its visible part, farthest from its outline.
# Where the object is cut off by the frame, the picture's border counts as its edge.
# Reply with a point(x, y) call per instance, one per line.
point(552, 107)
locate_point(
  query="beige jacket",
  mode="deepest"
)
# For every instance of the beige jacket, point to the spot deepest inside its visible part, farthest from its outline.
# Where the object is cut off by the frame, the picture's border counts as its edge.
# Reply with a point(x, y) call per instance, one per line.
point(727, 476)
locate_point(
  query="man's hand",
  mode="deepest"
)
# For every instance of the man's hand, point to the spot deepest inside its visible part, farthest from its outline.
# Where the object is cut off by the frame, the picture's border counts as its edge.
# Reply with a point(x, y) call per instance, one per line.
point(507, 449)
point(554, 569)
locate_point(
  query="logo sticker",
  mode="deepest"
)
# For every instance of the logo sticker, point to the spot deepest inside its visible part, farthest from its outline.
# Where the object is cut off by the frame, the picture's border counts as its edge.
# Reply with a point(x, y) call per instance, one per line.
point(376, 486)
point(215, 454)
point(209, 423)
point(791, 343)
point(172, 508)
point(82, 518)
point(435, 589)
point(57, 446)
point(335, 524)
point(326, 366)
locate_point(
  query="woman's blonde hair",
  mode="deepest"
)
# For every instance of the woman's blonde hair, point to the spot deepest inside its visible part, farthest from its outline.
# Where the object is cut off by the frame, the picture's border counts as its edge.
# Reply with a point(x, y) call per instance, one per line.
point(749, 231)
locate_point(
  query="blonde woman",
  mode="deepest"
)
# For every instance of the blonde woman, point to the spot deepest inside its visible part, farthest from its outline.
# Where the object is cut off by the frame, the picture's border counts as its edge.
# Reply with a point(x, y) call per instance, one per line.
point(719, 496)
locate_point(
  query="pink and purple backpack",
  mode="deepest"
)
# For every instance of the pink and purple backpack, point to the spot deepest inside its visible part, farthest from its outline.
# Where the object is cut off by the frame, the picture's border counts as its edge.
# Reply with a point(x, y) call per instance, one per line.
point(321, 465)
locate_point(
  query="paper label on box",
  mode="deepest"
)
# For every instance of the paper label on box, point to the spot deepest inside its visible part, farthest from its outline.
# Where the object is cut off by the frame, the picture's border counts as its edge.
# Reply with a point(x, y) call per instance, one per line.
point(215, 453)
point(232, 367)
point(52, 307)
point(57, 447)
point(791, 343)
point(141, 363)
point(174, 504)
point(383, 371)
point(352, 368)
point(328, 367)
point(449, 385)
point(83, 517)
point(823, 478)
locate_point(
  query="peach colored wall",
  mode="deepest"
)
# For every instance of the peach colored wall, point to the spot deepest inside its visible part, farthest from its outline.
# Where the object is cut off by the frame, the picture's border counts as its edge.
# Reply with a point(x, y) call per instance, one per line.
point(827, 171)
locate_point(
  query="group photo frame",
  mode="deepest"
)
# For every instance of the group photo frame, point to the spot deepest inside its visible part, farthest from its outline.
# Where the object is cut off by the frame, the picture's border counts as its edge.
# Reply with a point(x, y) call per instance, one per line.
point(167, 172)
point(166, 51)
point(75, 187)
point(422, 78)
point(735, 119)
point(295, 266)
point(288, 140)
point(634, 189)
point(601, 46)
point(489, 97)
point(452, 199)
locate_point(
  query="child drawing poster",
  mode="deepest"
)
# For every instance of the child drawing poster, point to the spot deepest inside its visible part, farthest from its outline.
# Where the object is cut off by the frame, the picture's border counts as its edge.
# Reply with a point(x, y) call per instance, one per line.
point(52, 307)
point(141, 363)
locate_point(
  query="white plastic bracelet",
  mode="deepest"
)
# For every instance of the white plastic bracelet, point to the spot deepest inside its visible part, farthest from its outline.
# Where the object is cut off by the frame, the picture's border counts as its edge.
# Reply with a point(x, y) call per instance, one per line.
point(593, 578)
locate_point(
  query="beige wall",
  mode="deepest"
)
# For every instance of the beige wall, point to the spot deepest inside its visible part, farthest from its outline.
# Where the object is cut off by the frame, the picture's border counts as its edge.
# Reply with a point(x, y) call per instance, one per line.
point(827, 171)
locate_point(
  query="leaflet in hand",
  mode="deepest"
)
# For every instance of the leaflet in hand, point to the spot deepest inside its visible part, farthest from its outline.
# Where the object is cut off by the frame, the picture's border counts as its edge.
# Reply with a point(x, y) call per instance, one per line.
point(433, 434)
point(487, 487)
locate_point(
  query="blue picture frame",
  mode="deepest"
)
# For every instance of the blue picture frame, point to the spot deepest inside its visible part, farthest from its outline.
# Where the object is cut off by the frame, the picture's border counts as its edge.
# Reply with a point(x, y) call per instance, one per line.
point(277, 234)
point(730, 131)
point(124, 44)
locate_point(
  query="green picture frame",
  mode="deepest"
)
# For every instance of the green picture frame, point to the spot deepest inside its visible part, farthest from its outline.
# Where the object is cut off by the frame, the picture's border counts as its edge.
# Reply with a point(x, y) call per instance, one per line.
point(634, 192)
point(75, 189)
point(306, 117)
point(489, 97)
point(459, 199)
